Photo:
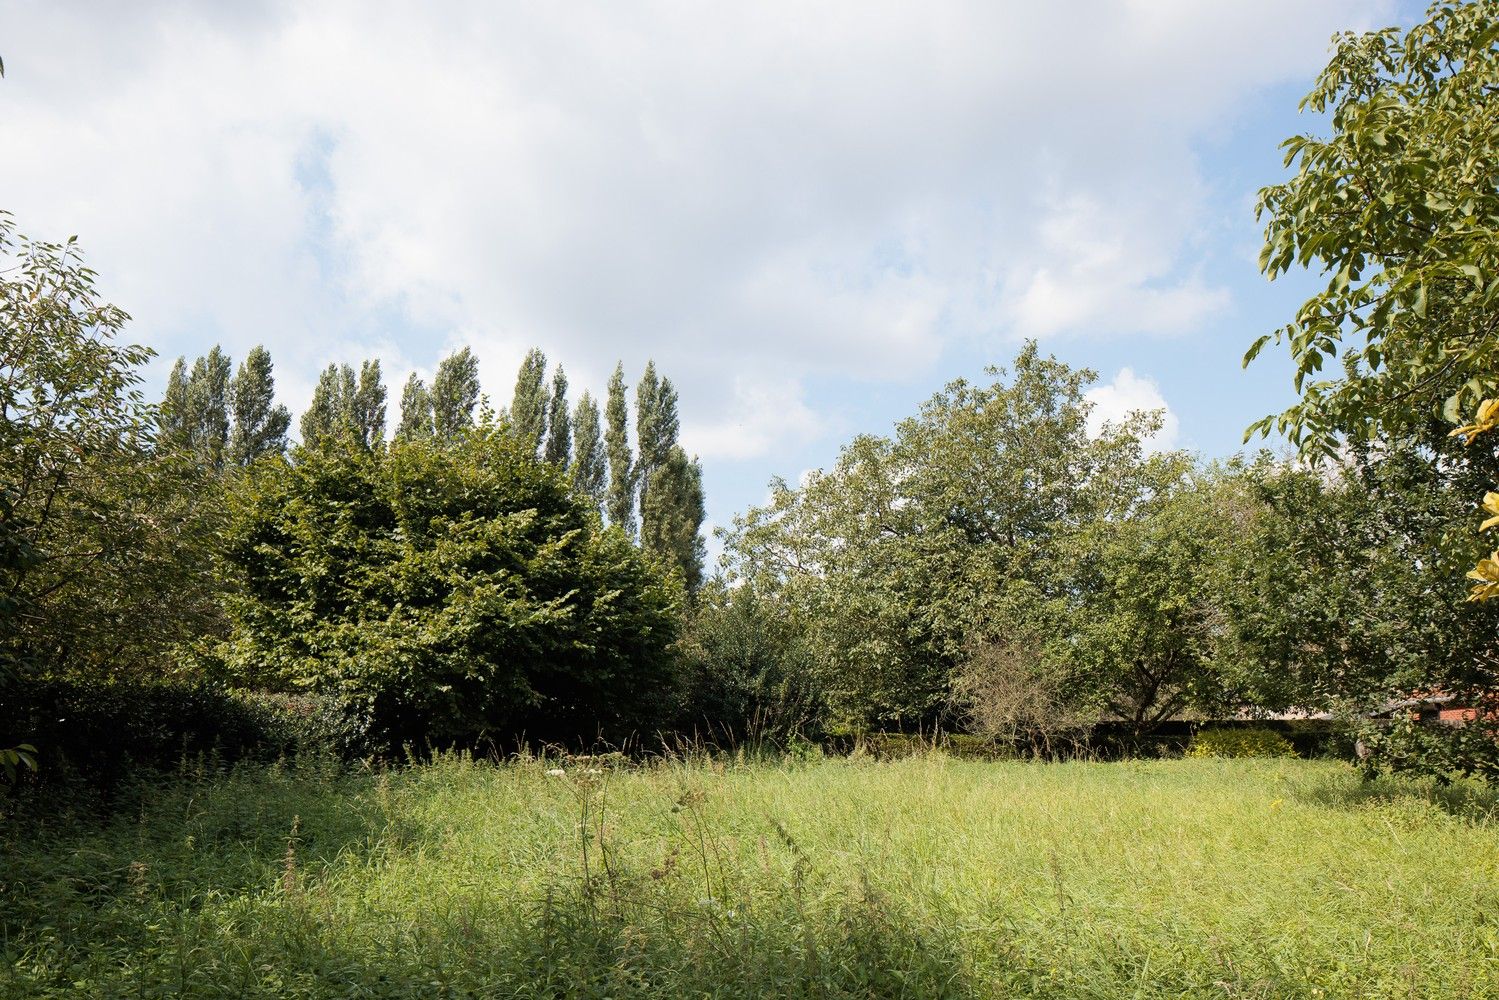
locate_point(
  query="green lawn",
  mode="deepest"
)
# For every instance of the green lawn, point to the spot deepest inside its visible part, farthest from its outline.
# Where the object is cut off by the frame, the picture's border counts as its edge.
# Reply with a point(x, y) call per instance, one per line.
point(845, 878)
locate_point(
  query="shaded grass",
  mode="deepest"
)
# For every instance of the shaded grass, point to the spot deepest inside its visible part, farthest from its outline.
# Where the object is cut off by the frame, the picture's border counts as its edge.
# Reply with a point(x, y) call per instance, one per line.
point(926, 877)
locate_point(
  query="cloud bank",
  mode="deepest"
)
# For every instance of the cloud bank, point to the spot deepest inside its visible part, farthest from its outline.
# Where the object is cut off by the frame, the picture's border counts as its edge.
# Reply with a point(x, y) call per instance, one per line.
point(753, 194)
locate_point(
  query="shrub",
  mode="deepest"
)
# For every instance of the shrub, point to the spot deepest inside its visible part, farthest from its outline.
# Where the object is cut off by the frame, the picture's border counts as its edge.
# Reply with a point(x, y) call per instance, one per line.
point(448, 593)
point(1236, 742)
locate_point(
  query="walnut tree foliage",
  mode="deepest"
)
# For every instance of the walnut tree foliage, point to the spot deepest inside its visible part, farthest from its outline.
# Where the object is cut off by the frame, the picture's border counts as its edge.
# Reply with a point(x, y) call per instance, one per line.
point(1398, 206)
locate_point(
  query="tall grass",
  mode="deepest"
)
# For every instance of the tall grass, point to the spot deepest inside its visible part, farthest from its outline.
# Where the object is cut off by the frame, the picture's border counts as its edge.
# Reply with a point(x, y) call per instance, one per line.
point(926, 877)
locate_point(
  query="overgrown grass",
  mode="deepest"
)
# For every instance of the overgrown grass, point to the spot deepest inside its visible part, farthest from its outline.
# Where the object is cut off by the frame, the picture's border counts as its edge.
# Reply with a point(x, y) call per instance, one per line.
point(926, 877)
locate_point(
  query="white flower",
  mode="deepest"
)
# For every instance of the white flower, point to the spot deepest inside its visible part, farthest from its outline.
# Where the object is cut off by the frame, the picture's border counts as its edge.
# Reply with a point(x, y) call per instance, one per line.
point(556, 772)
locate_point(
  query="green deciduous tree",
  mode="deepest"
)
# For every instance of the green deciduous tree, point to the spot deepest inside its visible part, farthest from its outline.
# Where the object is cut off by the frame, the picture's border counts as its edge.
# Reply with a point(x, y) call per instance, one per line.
point(671, 516)
point(416, 411)
point(260, 425)
point(528, 406)
point(105, 544)
point(590, 468)
point(346, 406)
point(621, 499)
point(194, 415)
point(559, 436)
point(911, 548)
point(454, 394)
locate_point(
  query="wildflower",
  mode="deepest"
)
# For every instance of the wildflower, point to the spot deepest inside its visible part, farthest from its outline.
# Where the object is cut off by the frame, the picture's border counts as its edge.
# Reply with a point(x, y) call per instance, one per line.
point(556, 772)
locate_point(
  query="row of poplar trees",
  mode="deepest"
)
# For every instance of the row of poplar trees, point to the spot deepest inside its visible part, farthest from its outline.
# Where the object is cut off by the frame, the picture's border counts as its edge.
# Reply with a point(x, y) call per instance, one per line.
point(653, 491)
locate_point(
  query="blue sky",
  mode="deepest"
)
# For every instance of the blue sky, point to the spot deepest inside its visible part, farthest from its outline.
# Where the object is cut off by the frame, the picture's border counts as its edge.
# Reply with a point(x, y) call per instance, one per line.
point(811, 215)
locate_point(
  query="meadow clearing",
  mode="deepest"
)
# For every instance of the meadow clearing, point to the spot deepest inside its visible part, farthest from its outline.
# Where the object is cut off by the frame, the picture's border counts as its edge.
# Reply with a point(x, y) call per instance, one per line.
point(924, 877)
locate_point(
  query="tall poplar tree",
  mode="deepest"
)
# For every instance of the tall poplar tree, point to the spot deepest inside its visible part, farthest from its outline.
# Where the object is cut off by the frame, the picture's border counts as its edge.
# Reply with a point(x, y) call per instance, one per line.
point(621, 497)
point(323, 416)
point(590, 473)
point(194, 414)
point(259, 425)
point(672, 513)
point(455, 393)
point(528, 407)
point(559, 442)
point(208, 390)
point(416, 411)
point(367, 405)
point(174, 418)
point(657, 426)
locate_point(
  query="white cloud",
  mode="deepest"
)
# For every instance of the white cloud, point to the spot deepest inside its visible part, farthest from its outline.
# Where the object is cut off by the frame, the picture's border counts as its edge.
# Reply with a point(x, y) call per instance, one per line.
point(1129, 393)
point(754, 194)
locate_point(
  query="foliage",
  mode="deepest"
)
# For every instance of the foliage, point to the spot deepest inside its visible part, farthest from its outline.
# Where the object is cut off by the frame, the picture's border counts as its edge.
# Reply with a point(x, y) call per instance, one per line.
point(1239, 742)
point(912, 548)
point(746, 670)
point(559, 441)
point(1399, 207)
point(107, 548)
point(448, 593)
point(16, 760)
point(1425, 747)
point(1006, 691)
point(101, 733)
point(672, 514)
point(528, 407)
point(1137, 631)
point(455, 393)
point(260, 425)
point(194, 416)
point(416, 411)
point(590, 470)
point(346, 405)
point(620, 502)
point(921, 877)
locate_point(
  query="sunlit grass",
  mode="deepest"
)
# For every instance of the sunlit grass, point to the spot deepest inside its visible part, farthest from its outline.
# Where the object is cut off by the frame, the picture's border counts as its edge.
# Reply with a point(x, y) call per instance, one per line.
point(925, 877)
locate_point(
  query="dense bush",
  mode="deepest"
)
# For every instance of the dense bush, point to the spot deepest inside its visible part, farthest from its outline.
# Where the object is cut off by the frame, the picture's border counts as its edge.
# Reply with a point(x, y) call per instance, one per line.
point(448, 594)
point(1239, 742)
point(1431, 748)
point(746, 670)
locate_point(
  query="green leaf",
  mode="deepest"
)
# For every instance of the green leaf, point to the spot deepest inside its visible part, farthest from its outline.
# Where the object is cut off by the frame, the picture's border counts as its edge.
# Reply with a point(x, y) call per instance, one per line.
point(1254, 349)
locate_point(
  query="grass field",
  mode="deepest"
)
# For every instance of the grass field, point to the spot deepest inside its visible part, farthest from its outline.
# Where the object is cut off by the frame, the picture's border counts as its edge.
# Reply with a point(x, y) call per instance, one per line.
point(928, 877)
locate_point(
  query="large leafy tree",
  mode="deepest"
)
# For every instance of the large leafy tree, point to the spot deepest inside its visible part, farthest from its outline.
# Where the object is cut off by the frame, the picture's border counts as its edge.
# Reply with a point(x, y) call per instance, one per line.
point(449, 592)
point(1399, 208)
point(910, 548)
point(528, 404)
point(194, 415)
point(1138, 630)
point(672, 513)
point(346, 406)
point(416, 411)
point(559, 438)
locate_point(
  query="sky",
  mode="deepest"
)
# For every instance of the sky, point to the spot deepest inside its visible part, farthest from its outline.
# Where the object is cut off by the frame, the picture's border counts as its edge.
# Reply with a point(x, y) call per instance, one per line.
point(810, 215)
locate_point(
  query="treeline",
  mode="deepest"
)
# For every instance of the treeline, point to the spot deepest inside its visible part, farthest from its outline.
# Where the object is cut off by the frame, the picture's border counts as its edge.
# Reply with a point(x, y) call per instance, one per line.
point(474, 576)
point(654, 492)
point(993, 566)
